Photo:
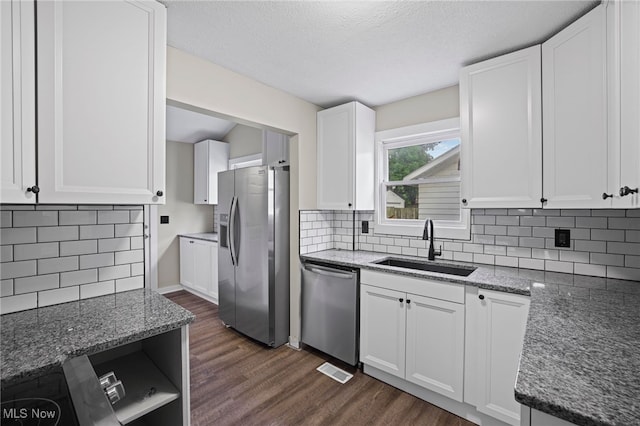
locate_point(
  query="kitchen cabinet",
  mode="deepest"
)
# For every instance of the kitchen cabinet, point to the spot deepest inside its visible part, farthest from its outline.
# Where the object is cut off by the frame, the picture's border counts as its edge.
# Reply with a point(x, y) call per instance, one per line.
point(412, 336)
point(538, 418)
point(209, 158)
point(17, 94)
point(345, 157)
point(495, 326)
point(501, 127)
point(574, 93)
point(199, 267)
point(101, 120)
point(623, 61)
point(275, 148)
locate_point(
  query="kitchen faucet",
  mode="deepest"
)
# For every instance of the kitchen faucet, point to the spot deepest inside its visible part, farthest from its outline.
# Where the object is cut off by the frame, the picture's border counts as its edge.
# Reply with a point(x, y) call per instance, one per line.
point(427, 234)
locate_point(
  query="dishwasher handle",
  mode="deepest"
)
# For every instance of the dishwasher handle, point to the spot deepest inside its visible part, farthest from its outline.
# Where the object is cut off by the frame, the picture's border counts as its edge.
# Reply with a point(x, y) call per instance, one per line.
point(329, 272)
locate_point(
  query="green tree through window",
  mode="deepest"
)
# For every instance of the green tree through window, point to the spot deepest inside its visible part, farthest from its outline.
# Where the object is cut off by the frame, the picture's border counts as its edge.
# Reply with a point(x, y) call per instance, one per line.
point(403, 161)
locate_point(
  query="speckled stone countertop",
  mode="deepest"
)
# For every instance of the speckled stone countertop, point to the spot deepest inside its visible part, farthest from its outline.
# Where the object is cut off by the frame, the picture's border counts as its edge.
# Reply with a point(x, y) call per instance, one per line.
point(206, 236)
point(38, 341)
point(580, 359)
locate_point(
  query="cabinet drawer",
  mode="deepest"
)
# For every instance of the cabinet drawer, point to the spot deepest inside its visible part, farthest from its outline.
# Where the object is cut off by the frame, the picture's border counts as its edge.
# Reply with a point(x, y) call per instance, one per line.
point(421, 286)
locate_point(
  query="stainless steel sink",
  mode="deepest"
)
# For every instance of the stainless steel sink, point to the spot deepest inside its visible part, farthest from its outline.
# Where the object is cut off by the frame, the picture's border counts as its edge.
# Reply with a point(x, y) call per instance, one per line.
point(462, 271)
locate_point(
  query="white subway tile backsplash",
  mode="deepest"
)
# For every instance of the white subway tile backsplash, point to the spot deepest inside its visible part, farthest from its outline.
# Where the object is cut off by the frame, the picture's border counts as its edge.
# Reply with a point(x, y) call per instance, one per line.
point(533, 221)
point(472, 248)
point(409, 251)
point(131, 256)
point(556, 266)
point(114, 244)
point(484, 258)
point(6, 288)
point(19, 207)
point(19, 302)
point(58, 264)
point(607, 234)
point(501, 240)
point(591, 222)
point(622, 223)
point(463, 257)
point(78, 218)
point(495, 250)
point(532, 242)
point(483, 220)
point(115, 216)
point(59, 295)
point(6, 219)
point(531, 263)
point(496, 212)
point(623, 248)
point(83, 276)
point(96, 260)
point(623, 273)
point(114, 272)
point(632, 261)
point(57, 233)
point(129, 230)
point(519, 231)
point(606, 259)
point(97, 289)
point(495, 230)
point(136, 216)
point(506, 261)
point(25, 268)
point(17, 235)
point(591, 246)
point(35, 218)
point(546, 212)
point(632, 236)
point(137, 269)
point(589, 269)
point(544, 254)
point(608, 213)
point(35, 251)
point(55, 207)
point(131, 283)
point(69, 248)
point(561, 222)
point(96, 231)
point(6, 253)
point(574, 256)
point(508, 220)
point(37, 283)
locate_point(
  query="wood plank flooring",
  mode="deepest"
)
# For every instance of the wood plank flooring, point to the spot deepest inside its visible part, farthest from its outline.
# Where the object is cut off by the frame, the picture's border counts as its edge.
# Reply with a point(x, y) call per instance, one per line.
point(237, 381)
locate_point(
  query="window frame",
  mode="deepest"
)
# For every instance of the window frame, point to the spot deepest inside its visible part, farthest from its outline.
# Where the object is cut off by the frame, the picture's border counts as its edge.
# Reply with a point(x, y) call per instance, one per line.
point(407, 136)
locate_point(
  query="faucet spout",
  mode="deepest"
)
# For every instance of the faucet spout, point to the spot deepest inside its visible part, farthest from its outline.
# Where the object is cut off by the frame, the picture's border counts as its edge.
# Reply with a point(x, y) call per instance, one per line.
point(427, 234)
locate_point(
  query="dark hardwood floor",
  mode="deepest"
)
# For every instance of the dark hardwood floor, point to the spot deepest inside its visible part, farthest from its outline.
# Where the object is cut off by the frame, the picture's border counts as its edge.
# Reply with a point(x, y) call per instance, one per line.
point(236, 381)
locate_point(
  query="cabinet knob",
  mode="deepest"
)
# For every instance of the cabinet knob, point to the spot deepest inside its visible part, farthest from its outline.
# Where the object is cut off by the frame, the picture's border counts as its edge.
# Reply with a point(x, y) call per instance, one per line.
point(464, 201)
point(481, 296)
point(625, 190)
point(159, 193)
point(605, 195)
point(543, 200)
point(350, 204)
point(401, 300)
point(35, 189)
point(408, 301)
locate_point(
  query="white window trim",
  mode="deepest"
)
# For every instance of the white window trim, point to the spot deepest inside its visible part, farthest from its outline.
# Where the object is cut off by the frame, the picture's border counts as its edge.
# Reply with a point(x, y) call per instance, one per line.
point(404, 136)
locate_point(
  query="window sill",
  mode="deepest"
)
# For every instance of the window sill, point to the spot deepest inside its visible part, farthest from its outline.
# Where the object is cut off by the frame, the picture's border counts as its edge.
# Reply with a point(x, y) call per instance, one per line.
point(461, 232)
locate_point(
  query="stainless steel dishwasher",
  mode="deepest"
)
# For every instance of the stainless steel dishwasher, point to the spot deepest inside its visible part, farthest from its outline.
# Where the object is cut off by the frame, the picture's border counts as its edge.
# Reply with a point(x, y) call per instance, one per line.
point(330, 310)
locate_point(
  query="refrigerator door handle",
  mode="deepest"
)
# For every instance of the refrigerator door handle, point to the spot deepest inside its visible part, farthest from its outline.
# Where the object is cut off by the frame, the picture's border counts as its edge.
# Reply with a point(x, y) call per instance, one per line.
point(231, 232)
point(236, 245)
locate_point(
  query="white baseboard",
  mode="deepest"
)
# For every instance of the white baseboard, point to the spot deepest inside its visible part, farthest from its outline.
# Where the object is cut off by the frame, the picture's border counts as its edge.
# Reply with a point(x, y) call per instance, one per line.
point(460, 409)
point(294, 343)
point(170, 289)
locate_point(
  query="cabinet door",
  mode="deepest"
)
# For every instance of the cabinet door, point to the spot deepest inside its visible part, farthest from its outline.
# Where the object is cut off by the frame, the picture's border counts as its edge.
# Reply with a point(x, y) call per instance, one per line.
point(623, 27)
point(435, 345)
point(17, 94)
point(201, 173)
point(502, 318)
point(187, 263)
point(575, 115)
point(501, 121)
point(382, 329)
point(335, 148)
point(202, 265)
point(101, 102)
point(275, 148)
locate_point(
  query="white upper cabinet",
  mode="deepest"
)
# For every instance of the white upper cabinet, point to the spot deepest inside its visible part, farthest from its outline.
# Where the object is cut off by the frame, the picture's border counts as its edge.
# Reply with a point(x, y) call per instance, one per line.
point(275, 148)
point(501, 123)
point(574, 93)
point(101, 102)
point(209, 158)
point(345, 148)
point(623, 59)
point(17, 94)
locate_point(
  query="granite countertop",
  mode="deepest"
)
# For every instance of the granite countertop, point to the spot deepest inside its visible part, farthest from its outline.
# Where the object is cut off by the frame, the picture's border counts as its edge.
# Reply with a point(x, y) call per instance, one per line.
point(580, 359)
point(206, 236)
point(38, 341)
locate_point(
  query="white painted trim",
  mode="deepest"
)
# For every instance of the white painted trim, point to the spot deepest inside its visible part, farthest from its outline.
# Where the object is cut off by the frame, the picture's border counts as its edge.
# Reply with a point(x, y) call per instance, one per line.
point(245, 161)
point(151, 246)
point(170, 289)
point(186, 376)
point(294, 343)
point(179, 287)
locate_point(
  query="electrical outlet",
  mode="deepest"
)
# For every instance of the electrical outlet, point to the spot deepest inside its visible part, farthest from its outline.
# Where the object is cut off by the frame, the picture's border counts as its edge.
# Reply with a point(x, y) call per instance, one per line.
point(563, 238)
point(365, 226)
point(164, 219)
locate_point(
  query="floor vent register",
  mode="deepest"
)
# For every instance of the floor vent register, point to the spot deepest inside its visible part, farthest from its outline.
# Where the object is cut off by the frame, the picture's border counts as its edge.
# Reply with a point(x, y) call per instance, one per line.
point(334, 372)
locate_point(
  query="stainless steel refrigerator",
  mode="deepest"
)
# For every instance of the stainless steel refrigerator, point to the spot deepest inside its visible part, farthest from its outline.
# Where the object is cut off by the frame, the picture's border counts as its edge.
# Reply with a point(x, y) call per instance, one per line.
point(253, 254)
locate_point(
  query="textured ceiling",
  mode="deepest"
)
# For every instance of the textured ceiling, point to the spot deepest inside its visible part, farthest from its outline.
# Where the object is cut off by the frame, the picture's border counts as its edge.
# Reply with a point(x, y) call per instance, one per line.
point(330, 52)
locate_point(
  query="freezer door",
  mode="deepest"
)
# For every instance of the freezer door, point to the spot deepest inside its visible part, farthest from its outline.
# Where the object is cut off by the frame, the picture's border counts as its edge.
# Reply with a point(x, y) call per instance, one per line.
point(252, 249)
point(226, 269)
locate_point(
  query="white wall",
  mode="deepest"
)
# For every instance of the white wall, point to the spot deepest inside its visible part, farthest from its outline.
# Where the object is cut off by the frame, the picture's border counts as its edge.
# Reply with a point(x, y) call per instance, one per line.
point(244, 140)
point(184, 216)
point(433, 106)
point(192, 81)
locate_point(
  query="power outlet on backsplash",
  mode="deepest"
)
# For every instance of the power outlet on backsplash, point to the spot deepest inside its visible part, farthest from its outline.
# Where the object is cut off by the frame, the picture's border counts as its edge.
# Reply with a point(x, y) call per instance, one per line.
point(365, 226)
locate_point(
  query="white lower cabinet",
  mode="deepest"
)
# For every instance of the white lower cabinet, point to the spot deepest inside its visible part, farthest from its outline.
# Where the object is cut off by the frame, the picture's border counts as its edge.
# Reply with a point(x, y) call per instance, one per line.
point(417, 338)
point(495, 326)
point(199, 266)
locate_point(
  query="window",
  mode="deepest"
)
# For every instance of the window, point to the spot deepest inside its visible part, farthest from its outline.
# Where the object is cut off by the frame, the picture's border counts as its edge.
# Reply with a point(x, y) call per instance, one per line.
point(418, 171)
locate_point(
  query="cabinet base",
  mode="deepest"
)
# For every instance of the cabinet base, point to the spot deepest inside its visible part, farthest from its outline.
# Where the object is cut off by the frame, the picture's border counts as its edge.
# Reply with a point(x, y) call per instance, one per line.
point(460, 409)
